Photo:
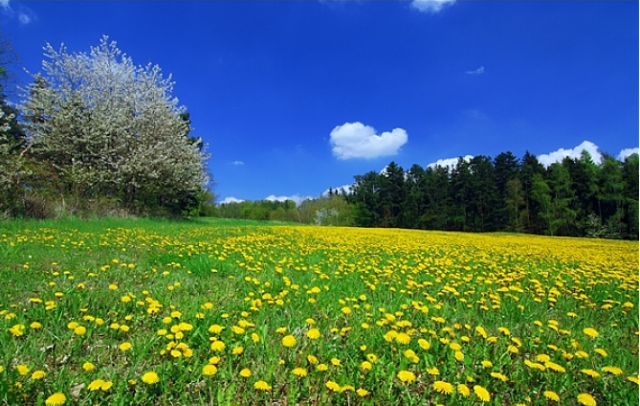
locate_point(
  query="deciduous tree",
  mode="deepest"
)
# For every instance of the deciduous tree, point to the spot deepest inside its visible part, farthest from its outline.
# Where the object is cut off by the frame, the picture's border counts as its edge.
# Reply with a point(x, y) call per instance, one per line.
point(107, 127)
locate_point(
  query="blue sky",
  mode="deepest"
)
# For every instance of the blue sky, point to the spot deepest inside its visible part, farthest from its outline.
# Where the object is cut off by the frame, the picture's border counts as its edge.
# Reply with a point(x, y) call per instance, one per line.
point(294, 97)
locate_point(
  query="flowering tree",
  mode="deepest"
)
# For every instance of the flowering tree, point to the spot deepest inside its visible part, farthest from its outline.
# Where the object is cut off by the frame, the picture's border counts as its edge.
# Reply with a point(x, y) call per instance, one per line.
point(107, 128)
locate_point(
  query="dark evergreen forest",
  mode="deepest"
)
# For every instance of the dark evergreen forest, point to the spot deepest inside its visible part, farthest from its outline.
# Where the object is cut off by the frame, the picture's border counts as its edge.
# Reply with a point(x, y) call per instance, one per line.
point(576, 197)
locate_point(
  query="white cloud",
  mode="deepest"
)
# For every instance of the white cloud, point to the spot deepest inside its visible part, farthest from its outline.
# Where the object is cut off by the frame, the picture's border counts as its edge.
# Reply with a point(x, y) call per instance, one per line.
point(559, 155)
point(296, 198)
point(478, 71)
point(24, 18)
point(356, 140)
point(449, 163)
point(237, 163)
point(23, 13)
point(231, 199)
point(431, 6)
point(626, 152)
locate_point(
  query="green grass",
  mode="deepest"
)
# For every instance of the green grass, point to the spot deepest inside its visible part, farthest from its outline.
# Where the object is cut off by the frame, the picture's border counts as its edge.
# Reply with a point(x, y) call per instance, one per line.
point(501, 298)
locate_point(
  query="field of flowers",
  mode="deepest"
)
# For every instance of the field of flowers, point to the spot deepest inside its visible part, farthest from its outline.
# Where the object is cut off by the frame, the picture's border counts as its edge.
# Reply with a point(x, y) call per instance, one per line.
point(124, 312)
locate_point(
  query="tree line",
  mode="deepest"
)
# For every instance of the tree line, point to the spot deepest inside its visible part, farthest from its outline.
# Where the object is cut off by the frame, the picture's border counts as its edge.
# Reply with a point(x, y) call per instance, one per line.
point(575, 197)
point(331, 210)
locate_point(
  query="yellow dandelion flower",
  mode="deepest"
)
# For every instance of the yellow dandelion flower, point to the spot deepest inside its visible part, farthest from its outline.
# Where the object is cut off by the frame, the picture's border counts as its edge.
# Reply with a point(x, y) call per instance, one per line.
point(185, 326)
point(17, 330)
point(631, 378)
point(535, 365)
point(555, 367)
point(255, 338)
point(37, 375)
point(262, 385)
point(482, 393)
point(601, 352)
point(106, 385)
point(498, 375)
point(335, 362)
point(57, 399)
point(245, 373)
point(390, 335)
point(433, 371)
point(487, 364)
point(35, 325)
point(481, 331)
point(312, 359)
point(591, 332)
point(543, 358)
point(459, 356)
point(443, 387)
point(322, 367)
point(333, 386)
point(591, 373)
point(313, 334)
point(581, 354)
point(424, 344)
point(612, 370)
point(214, 328)
point(362, 392)
point(150, 378)
point(88, 367)
point(504, 331)
point(403, 338)
point(95, 385)
point(209, 370)
point(551, 395)
point(463, 390)
point(218, 346)
point(22, 369)
point(300, 372)
point(366, 366)
point(586, 400)
point(406, 376)
point(289, 341)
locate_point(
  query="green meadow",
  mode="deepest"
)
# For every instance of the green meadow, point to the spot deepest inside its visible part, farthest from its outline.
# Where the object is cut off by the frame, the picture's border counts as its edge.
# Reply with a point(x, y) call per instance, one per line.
point(219, 312)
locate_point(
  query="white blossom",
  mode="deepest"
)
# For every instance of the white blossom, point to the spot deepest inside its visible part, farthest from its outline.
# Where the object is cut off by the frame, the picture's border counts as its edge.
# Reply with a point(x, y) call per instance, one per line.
point(110, 127)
